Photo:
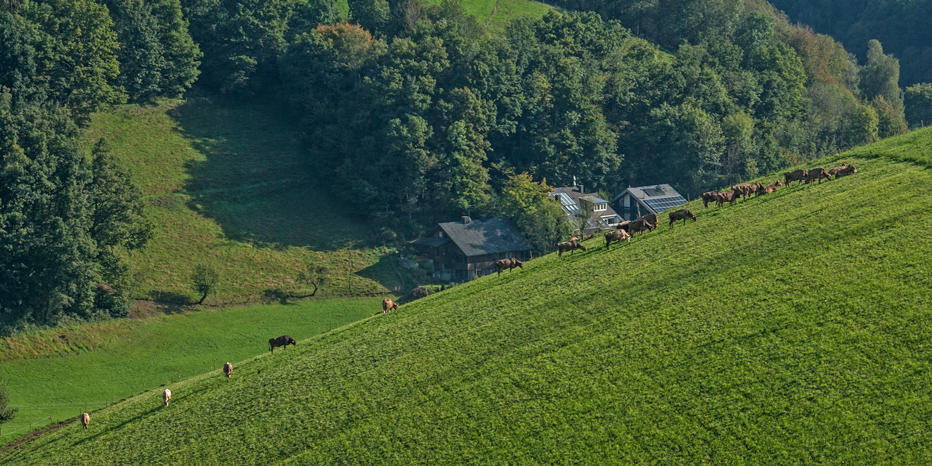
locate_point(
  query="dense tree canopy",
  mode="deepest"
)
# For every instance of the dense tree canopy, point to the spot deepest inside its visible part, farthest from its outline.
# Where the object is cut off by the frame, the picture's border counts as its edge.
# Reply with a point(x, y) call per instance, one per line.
point(902, 27)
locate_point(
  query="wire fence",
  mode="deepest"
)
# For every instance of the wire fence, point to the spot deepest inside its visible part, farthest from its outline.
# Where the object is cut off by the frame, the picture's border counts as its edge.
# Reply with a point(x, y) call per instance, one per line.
point(44, 421)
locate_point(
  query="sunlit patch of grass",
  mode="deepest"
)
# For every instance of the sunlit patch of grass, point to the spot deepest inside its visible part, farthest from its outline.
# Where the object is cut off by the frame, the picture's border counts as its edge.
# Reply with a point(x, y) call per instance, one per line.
point(56, 372)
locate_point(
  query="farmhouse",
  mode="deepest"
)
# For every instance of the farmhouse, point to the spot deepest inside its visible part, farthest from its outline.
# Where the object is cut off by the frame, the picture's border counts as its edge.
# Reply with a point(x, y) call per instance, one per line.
point(571, 198)
point(468, 249)
point(635, 202)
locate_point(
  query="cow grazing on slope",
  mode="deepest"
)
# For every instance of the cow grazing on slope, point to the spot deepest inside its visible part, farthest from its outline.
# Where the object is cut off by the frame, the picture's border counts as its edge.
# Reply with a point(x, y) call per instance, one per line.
point(616, 235)
point(742, 190)
point(756, 188)
point(771, 188)
point(571, 246)
point(639, 226)
point(795, 175)
point(85, 419)
point(509, 264)
point(651, 219)
point(388, 305)
point(283, 340)
point(846, 171)
point(835, 170)
point(817, 174)
point(681, 214)
point(711, 196)
point(228, 369)
point(167, 396)
point(729, 196)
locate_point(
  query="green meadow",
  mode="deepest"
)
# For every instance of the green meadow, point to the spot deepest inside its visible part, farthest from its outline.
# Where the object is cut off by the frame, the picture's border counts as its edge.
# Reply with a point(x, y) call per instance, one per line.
point(484, 10)
point(227, 183)
point(56, 372)
point(790, 328)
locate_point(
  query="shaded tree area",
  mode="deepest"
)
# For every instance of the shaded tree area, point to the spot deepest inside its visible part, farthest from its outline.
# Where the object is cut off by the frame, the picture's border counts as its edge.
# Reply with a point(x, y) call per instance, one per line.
point(66, 217)
point(63, 221)
point(157, 55)
point(901, 26)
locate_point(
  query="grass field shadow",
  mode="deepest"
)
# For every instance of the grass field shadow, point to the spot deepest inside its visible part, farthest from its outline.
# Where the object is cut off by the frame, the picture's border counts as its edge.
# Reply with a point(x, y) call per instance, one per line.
point(254, 179)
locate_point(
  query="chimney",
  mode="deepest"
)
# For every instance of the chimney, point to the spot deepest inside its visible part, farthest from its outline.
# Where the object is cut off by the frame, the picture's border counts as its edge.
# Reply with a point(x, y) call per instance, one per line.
point(574, 180)
point(466, 220)
point(582, 189)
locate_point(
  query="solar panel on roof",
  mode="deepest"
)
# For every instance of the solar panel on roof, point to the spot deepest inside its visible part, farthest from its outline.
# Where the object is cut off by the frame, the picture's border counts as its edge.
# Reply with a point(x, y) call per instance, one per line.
point(654, 191)
point(565, 200)
point(660, 205)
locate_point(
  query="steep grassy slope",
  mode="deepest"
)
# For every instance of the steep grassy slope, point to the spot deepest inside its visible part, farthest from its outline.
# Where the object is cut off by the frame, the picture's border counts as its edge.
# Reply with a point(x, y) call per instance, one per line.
point(791, 328)
point(227, 184)
point(56, 372)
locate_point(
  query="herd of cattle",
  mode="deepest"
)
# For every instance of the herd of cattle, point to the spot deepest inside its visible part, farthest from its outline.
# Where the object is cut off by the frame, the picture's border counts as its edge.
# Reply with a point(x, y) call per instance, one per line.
point(745, 190)
point(624, 231)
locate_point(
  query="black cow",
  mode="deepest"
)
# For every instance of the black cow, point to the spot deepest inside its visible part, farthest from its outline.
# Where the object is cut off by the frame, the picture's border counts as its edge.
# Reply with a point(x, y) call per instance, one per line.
point(283, 340)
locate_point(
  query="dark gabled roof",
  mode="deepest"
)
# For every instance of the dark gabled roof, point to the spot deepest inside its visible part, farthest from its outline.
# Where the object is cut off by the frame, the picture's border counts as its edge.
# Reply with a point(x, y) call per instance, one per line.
point(430, 241)
point(478, 238)
point(656, 198)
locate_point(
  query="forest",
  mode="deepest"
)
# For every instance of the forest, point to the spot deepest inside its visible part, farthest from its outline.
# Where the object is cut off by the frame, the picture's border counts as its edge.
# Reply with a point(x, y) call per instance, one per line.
point(419, 113)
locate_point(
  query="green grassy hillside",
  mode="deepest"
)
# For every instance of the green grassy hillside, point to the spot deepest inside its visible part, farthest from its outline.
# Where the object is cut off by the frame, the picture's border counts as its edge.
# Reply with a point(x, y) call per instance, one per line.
point(791, 328)
point(485, 10)
point(55, 372)
point(228, 184)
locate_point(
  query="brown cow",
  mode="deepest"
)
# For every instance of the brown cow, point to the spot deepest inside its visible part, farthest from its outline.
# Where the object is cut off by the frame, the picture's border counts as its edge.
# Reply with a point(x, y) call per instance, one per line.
point(571, 245)
point(681, 214)
point(727, 196)
point(638, 226)
point(388, 305)
point(228, 369)
point(835, 170)
point(616, 235)
point(651, 219)
point(770, 189)
point(847, 171)
point(756, 188)
point(742, 190)
point(283, 340)
point(711, 196)
point(508, 263)
point(795, 175)
point(817, 174)
point(85, 419)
